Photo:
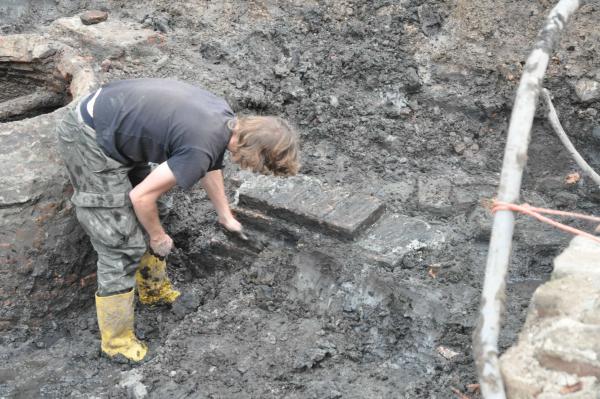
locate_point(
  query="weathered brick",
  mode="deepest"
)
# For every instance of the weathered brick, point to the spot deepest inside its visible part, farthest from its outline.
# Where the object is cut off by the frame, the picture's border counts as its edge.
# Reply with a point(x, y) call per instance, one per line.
point(93, 17)
point(525, 378)
point(309, 202)
point(572, 296)
point(570, 346)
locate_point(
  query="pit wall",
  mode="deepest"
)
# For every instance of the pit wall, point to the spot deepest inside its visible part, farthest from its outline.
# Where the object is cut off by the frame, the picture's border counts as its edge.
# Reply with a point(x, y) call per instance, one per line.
point(558, 352)
point(46, 262)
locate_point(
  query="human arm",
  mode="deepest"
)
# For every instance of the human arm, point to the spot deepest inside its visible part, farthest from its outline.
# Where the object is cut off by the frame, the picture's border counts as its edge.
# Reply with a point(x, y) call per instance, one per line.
point(215, 188)
point(144, 196)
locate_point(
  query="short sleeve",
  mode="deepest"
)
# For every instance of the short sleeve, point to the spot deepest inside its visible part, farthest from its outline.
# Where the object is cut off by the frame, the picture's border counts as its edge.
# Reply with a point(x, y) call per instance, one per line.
point(218, 163)
point(189, 166)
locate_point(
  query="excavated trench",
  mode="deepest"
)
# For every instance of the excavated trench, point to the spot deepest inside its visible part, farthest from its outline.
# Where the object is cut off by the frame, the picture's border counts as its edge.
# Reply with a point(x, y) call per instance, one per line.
point(31, 88)
point(365, 277)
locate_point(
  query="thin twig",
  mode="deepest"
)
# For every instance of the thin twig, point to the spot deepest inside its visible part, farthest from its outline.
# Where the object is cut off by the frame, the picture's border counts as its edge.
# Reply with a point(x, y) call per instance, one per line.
point(562, 135)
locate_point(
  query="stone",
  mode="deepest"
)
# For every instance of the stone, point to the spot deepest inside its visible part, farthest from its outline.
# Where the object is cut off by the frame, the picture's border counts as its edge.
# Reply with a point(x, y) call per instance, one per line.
point(525, 378)
point(582, 256)
point(587, 90)
point(430, 19)
point(106, 65)
point(395, 236)
point(131, 382)
point(558, 353)
point(572, 296)
point(434, 196)
point(93, 17)
point(187, 303)
point(311, 203)
point(571, 347)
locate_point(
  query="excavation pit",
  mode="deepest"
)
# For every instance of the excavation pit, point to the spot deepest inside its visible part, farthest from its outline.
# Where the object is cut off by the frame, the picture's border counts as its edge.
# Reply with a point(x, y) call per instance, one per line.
point(32, 84)
point(31, 89)
point(39, 75)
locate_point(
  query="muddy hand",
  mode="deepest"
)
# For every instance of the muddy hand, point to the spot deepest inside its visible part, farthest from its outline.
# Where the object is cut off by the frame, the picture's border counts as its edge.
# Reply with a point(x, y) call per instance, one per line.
point(246, 238)
point(161, 246)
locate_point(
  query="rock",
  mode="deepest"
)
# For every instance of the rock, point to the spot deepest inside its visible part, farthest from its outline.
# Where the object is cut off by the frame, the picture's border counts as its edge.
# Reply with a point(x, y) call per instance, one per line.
point(185, 304)
point(93, 17)
point(44, 254)
point(322, 390)
point(309, 202)
point(434, 196)
point(570, 346)
point(459, 147)
point(430, 19)
point(557, 355)
point(524, 378)
point(587, 90)
point(395, 236)
point(131, 382)
point(106, 65)
point(572, 296)
point(312, 357)
point(580, 258)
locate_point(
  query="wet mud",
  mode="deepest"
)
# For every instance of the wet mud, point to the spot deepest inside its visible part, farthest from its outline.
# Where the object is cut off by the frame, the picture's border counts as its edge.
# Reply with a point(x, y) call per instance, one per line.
point(404, 101)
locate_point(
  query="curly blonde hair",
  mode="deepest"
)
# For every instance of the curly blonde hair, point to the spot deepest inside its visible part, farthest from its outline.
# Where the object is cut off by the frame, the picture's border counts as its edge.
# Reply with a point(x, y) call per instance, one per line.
point(266, 144)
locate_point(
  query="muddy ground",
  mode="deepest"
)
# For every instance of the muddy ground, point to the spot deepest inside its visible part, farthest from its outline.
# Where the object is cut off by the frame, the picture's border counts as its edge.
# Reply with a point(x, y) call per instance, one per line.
point(391, 98)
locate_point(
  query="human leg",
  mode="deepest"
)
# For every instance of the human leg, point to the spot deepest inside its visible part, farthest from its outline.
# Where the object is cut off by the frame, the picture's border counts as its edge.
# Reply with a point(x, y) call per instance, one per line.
point(102, 206)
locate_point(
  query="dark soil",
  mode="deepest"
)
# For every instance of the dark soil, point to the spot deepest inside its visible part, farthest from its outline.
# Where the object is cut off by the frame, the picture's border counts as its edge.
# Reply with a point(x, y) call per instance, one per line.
point(388, 96)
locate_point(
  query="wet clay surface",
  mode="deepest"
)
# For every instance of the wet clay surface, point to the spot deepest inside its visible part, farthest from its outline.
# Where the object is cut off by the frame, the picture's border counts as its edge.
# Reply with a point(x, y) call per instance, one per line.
point(405, 102)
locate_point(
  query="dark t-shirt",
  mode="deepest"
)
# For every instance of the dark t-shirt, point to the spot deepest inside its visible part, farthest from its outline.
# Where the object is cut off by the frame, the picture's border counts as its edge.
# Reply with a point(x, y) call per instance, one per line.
point(157, 120)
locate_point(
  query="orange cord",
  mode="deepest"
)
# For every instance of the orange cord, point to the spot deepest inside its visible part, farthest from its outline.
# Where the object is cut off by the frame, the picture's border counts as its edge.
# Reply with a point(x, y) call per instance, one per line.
point(537, 213)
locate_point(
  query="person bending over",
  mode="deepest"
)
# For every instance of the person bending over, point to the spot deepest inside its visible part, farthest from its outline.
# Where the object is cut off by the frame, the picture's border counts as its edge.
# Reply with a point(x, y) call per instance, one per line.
point(107, 141)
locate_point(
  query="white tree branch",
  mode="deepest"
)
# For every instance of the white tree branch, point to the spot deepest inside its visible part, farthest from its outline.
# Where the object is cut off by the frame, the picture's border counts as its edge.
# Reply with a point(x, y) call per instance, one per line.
point(485, 340)
point(555, 122)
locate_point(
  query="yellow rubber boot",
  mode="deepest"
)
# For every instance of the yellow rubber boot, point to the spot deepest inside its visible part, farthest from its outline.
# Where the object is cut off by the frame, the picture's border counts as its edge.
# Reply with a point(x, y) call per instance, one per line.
point(153, 284)
point(115, 319)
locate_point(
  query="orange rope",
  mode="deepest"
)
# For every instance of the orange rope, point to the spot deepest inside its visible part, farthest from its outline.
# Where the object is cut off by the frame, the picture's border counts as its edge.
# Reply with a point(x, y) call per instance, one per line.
point(537, 213)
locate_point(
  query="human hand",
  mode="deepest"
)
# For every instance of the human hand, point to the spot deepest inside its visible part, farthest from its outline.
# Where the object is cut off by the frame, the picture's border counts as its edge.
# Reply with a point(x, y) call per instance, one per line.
point(231, 224)
point(161, 245)
point(233, 229)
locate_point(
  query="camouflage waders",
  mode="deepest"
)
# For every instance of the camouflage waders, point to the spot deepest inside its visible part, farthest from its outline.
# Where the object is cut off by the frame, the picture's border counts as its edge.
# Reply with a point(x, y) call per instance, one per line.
point(101, 198)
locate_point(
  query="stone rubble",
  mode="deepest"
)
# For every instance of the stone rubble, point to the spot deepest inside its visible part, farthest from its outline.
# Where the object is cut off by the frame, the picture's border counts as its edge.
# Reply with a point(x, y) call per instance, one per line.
point(558, 353)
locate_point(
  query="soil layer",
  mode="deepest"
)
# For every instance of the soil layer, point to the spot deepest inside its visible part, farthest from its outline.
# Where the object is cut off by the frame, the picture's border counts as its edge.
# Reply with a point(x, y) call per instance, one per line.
point(406, 101)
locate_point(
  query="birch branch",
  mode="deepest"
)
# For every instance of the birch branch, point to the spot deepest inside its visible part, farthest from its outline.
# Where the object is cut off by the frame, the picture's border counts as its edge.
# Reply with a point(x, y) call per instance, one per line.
point(485, 339)
point(562, 135)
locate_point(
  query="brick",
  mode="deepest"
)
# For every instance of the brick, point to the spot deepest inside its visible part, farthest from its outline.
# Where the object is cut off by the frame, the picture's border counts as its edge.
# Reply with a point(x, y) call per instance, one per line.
point(309, 202)
point(582, 256)
point(571, 347)
point(93, 17)
point(525, 378)
point(395, 235)
point(573, 296)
